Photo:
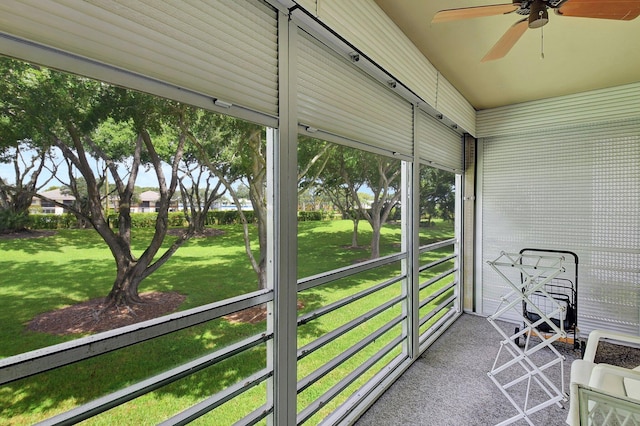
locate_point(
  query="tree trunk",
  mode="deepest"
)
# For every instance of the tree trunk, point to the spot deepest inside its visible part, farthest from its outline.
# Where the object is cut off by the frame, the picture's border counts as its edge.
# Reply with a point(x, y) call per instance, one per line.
point(124, 291)
point(261, 211)
point(354, 234)
point(262, 275)
point(198, 222)
point(23, 201)
point(375, 239)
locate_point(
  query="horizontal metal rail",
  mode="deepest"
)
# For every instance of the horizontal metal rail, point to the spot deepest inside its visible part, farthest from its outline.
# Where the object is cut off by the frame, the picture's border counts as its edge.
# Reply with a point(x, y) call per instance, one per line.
point(255, 416)
point(435, 294)
point(437, 278)
point(383, 379)
point(213, 402)
point(49, 358)
point(437, 309)
point(326, 397)
point(347, 271)
point(303, 319)
point(34, 362)
point(437, 262)
point(334, 334)
point(129, 393)
point(326, 368)
point(436, 246)
point(435, 330)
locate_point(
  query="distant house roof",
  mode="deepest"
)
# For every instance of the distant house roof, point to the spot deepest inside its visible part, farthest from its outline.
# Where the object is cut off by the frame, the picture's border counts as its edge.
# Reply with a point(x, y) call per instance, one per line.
point(149, 196)
point(57, 195)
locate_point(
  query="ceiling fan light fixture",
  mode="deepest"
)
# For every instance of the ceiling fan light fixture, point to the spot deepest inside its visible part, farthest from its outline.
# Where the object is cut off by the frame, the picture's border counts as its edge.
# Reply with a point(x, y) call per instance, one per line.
point(539, 16)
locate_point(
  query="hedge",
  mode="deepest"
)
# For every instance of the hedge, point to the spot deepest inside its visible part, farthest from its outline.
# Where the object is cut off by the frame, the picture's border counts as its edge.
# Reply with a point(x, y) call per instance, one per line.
point(228, 217)
point(148, 220)
point(176, 219)
point(69, 221)
point(11, 221)
point(305, 216)
point(53, 221)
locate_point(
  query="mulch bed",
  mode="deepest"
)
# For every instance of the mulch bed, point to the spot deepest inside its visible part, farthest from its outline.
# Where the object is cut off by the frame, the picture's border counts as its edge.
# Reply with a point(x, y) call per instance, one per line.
point(252, 315)
point(91, 317)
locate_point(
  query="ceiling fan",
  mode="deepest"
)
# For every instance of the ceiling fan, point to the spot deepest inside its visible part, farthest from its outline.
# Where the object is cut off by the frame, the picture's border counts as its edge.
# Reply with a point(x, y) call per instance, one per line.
point(537, 15)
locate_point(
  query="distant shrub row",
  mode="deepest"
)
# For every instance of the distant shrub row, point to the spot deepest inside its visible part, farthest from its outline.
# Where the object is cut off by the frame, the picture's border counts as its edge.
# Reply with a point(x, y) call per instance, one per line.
point(148, 220)
point(53, 221)
point(306, 216)
point(11, 221)
point(228, 217)
point(176, 219)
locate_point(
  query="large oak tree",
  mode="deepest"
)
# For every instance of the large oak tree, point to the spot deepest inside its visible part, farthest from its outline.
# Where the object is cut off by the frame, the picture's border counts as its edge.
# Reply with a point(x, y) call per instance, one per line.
point(348, 174)
point(92, 122)
point(22, 146)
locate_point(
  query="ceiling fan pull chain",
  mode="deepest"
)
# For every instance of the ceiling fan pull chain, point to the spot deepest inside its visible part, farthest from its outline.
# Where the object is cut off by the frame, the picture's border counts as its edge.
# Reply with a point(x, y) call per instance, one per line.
point(541, 42)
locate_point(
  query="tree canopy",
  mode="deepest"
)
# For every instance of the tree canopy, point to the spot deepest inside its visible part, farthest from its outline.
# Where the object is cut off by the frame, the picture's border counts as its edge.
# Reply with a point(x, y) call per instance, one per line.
point(99, 129)
point(105, 135)
point(437, 194)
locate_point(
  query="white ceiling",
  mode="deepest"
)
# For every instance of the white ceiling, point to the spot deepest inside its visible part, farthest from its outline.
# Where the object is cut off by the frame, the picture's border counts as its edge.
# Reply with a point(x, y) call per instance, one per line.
point(579, 54)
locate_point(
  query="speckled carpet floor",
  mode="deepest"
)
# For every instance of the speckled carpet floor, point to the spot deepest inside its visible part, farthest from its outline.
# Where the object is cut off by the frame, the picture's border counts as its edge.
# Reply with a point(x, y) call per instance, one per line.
point(449, 385)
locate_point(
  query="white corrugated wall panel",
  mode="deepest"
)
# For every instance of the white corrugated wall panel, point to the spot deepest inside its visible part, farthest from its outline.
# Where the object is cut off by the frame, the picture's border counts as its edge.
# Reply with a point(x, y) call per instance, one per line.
point(454, 106)
point(225, 49)
point(438, 144)
point(616, 103)
point(339, 98)
point(309, 5)
point(575, 189)
point(369, 29)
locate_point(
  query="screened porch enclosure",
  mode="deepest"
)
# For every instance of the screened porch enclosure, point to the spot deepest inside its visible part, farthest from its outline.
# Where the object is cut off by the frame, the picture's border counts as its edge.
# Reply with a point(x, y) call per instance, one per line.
point(341, 323)
point(333, 333)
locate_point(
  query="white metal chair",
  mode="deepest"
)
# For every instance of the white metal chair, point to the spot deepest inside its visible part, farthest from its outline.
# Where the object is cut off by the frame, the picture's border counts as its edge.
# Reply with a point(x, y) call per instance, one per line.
point(604, 394)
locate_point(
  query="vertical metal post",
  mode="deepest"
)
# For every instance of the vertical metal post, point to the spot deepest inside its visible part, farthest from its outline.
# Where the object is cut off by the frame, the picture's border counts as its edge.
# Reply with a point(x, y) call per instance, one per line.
point(478, 264)
point(459, 245)
point(468, 223)
point(410, 220)
point(282, 253)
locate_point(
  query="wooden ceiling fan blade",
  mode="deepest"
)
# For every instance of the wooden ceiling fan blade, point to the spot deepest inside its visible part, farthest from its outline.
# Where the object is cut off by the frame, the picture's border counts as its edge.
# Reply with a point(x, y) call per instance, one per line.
point(474, 12)
point(507, 41)
point(622, 10)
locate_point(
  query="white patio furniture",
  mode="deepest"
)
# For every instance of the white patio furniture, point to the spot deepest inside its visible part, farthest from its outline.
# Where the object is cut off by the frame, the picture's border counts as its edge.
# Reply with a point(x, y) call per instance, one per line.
point(604, 394)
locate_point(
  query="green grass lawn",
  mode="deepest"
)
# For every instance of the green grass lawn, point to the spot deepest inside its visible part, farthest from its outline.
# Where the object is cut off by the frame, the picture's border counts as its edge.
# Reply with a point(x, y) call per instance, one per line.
point(43, 274)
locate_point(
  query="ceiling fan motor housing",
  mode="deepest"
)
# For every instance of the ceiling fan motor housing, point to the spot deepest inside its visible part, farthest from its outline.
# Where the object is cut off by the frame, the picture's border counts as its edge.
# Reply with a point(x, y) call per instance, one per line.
point(538, 16)
point(526, 5)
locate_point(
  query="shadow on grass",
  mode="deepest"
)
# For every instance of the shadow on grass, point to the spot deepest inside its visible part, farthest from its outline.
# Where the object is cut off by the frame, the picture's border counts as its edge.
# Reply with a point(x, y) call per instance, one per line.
point(206, 270)
point(322, 248)
point(87, 380)
point(90, 379)
point(81, 239)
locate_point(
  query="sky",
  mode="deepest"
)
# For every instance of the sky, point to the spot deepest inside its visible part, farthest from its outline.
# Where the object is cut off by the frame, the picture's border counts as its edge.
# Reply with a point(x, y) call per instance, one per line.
point(145, 178)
